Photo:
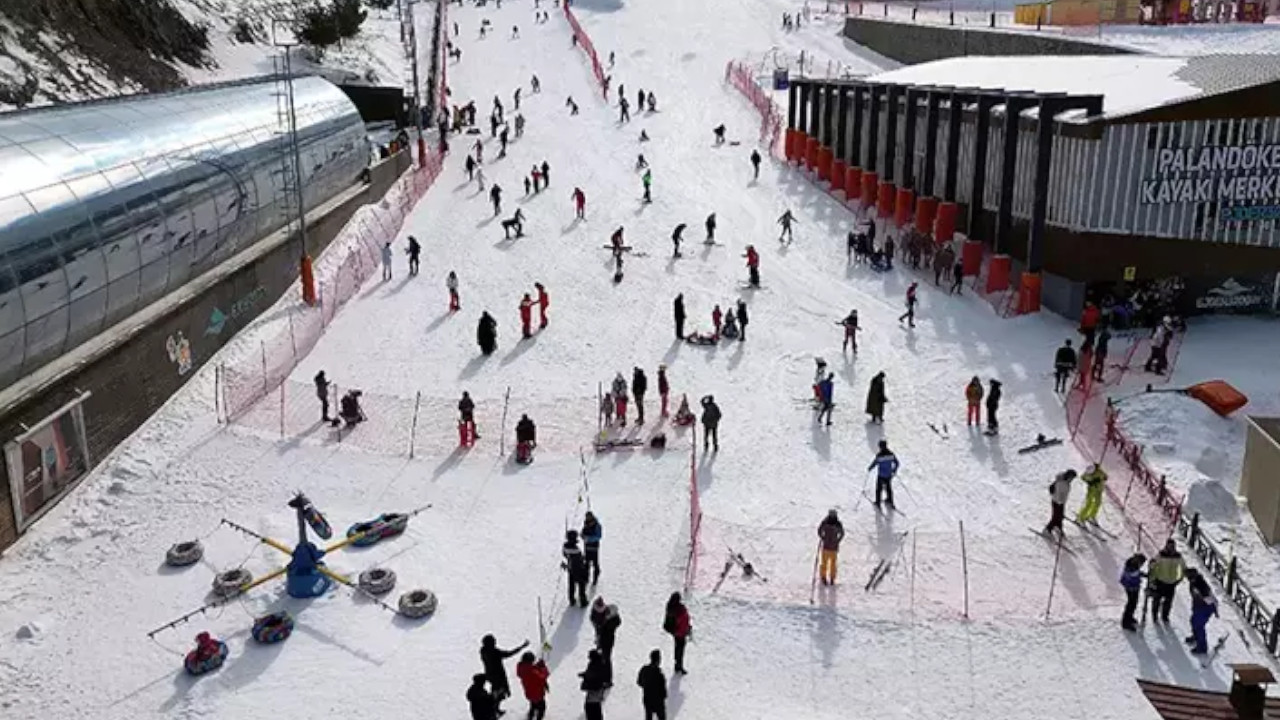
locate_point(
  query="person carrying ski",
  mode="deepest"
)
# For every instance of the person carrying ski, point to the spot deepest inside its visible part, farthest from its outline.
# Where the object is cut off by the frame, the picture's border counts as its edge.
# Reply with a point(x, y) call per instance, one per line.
point(786, 220)
point(716, 318)
point(482, 703)
point(755, 164)
point(620, 399)
point(993, 406)
point(467, 420)
point(451, 282)
point(664, 389)
point(593, 684)
point(322, 393)
point(830, 533)
point(973, 397)
point(1059, 491)
point(1131, 580)
point(676, 622)
point(639, 386)
point(742, 321)
point(910, 314)
point(851, 329)
point(1100, 349)
point(647, 180)
point(386, 261)
point(576, 565)
point(876, 399)
point(1064, 363)
point(592, 532)
point(678, 312)
point(1095, 480)
point(526, 316)
point(491, 656)
point(544, 301)
point(711, 229)
point(1165, 572)
point(826, 390)
point(616, 242)
point(710, 425)
point(487, 333)
point(1203, 607)
point(753, 266)
point(605, 620)
point(413, 252)
point(495, 197)
point(579, 203)
point(676, 236)
point(535, 680)
point(885, 464)
point(653, 688)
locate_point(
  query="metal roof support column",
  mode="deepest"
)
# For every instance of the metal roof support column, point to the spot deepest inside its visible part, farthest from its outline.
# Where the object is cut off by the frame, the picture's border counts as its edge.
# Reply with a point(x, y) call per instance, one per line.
point(893, 95)
point(981, 141)
point(1050, 108)
point(873, 128)
point(955, 115)
point(842, 124)
point(829, 99)
point(815, 108)
point(1013, 107)
point(855, 149)
point(792, 92)
point(930, 143)
point(802, 112)
point(909, 146)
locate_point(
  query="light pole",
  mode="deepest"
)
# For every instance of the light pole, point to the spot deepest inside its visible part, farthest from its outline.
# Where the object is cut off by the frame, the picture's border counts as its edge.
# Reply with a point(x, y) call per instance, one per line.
point(417, 91)
point(283, 37)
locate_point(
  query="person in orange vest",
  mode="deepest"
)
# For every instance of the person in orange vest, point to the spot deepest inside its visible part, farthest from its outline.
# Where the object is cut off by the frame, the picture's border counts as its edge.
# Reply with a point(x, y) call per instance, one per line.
point(753, 265)
point(716, 316)
point(973, 395)
point(526, 314)
point(544, 300)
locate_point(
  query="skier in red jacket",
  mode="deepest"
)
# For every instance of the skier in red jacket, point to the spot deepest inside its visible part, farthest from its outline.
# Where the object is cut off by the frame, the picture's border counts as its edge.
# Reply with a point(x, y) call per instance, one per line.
point(753, 265)
point(664, 388)
point(580, 203)
point(716, 316)
point(534, 677)
point(544, 300)
point(526, 314)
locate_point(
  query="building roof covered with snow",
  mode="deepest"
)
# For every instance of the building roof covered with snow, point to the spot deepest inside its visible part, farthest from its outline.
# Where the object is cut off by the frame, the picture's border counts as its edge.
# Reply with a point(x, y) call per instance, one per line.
point(1137, 88)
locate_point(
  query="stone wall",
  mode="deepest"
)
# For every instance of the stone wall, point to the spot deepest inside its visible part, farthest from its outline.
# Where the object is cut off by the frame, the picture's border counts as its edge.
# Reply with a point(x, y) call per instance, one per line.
point(912, 43)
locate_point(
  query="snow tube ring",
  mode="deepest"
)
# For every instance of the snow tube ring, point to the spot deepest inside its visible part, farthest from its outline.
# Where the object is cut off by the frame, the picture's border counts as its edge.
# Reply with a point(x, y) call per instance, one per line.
point(377, 581)
point(417, 603)
point(380, 528)
point(209, 664)
point(228, 583)
point(184, 553)
point(273, 628)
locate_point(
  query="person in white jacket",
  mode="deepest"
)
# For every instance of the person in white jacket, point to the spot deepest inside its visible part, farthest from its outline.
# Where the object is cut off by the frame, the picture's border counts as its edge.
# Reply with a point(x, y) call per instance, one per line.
point(1059, 491)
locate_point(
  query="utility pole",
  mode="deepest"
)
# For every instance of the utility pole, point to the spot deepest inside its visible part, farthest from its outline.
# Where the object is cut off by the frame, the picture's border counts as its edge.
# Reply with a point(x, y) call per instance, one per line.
point(291, 171)
point(416, 94)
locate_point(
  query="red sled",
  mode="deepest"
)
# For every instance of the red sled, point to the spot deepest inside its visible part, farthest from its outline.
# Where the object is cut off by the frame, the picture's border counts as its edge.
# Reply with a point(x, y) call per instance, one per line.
point(466, 434)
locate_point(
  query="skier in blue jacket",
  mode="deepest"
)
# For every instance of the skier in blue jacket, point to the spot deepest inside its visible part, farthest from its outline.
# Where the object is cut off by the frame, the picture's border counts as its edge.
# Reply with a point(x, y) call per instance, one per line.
point(592, 531)
point(1131, 581)
point(886, 466)
point(826, 391)
point(1203, 607)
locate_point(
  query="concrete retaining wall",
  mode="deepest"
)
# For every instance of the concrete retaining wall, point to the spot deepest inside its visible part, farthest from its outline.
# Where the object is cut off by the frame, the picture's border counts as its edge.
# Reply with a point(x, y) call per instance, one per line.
point(911, 43)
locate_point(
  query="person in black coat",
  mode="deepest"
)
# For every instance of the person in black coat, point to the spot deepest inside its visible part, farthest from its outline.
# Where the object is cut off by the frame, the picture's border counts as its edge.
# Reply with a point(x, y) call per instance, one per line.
point(322, 392)
point(653, 688)
point(576, 564)
point(679, 314)
point(491, 656)
point(593, 684)
point(1064, 362)
point(742, 321)
point(483, 706)
point(526, 439)
point(876, 398)
point(639, 385)
point(710, 423)
point(487, 333)
point(606, 620)
point(993, 406)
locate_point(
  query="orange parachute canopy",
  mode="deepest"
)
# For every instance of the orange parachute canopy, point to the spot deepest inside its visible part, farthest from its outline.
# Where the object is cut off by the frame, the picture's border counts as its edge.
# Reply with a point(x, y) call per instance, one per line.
point(1219, 395)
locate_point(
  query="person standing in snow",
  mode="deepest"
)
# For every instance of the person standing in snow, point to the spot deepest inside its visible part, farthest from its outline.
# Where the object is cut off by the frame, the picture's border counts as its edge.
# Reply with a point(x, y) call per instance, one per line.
point(537, 178)
point(487, 333)
point(753, 266)
point(993, 406)
point(414, 250)
point(579, 203)
point(830, 533)
point(973, 397)
point(544, 301)
point(653, 688)
point(664, 389)
point(470, 165)
point(495, 197)
point(535, 679)
point(711, 229)
point(386, 261)
point(957, 278)
point(1131, 581)
point(755, 164)
point(519, 125)
point(716, 318)
point(742, 320)
point(910, 314)
point(592, 532)
point(516, 98)
point(467, 420)
point(639, 386)
point(1095, 481)
point(676, 622)
point(653, 102)
point(640, 99)
point(573, 106)
point(526, 316)
point(1203, 607)
point(451, 282)
point(479, 148)
point(647, 180)
point(483, 706)
point(1064, 363)
point(1100, 349)
point(826, 393)
point(676, 236)
point(503, 138)
point(606, 409)
point(1059, 492)
point(1165, 572)
point(593, 685)
point(491, 656)
point(786, 221)
point(576, 565)
point(480, 178)
point(1160, 339)
point(535, 84)
point(322, 392)
point(885, 464)
point(876, 398)
point(718, 131)
point(605, 620)
point(620, 399)
point(624, 107)
point(678, 312)
point(851, 329)
point(546, 174)
point(710, 426)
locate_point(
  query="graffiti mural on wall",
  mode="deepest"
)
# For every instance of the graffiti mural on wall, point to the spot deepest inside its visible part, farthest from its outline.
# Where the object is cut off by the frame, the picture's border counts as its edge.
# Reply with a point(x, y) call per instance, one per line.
point(179, 349)
point(218, 319)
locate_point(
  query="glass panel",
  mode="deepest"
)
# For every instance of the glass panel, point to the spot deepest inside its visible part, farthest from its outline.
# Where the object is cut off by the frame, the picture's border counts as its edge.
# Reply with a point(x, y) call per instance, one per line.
point(153, 278)
point(82, 250)
point(11, 315)
point(45, 337)
point(122, 298)
point(153, 246)
point(20, 132)
point(87, 313)
point(16, 217)
point(19, 166)
point(11, 347)
point(38, 262)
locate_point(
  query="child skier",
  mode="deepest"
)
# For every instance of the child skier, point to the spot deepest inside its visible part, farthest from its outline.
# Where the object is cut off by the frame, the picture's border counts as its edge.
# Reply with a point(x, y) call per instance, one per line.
point(620, 399)
point(973, 396)
point(544, 301)
point(534, 677)
point(1131, 581)
point(851, 329)
point(592, 532)
point(606, 408)
point(451, 283)
point(467, 435)
point(826, 390)
point(1203, 607)
point(819, 374)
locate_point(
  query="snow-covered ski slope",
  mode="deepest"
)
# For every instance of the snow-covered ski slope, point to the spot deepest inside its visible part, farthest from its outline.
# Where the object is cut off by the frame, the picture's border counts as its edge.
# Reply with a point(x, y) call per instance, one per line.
point(81, 590)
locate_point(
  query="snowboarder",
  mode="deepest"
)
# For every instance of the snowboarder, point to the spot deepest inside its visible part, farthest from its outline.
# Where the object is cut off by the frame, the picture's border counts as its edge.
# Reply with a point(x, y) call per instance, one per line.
point(451, 282)
point(639, 386)
point(322, 392)
point(526, 316)
point(664, 389)
point(592, 531)
point(993, 406)
point(605, 620)
point(753, 266)
point(716, 319)
point(851, 329)
point(1064, 363)
point(826, 390)
point(593, 684)
point(1095, 480)
point(711, 229)
point(487, 333)
point(491, 656)
point(495, 196)
point(876, 398)
point(483, 705)
point(620, 399)
point(544, 301)
point(1059, 491)
point(653, 687)
point(710, 430)
point(755, 164)
point(1203, 607)
point(1165, 572)
point(742, 321)
point(576, 565)
point(534, 678)
point(676, 622)
point(526, 440)
point(677, 235)
point(1100, 349)
point(414, 250)
point(830, 533)
point(973, 397)
point(719, 133)
point(678, 312)
point(579, 203)
point(910, 314)
point(386, 261)
point(647, 180)
point(1131, 581)
point(886, 467)
point(786, 220)
point(467, 421)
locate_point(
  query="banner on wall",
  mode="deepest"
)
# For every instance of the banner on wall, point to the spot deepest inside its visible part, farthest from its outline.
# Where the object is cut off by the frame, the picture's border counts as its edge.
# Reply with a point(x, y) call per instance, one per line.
point(46, 461)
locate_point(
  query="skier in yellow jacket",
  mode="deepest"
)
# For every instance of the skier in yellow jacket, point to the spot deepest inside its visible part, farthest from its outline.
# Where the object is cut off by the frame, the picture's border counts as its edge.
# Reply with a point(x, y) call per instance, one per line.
point(1095, 480)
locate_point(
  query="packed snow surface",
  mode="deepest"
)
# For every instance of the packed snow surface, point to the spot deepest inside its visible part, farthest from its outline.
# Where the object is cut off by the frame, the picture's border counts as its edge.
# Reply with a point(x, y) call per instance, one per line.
point(80, 591)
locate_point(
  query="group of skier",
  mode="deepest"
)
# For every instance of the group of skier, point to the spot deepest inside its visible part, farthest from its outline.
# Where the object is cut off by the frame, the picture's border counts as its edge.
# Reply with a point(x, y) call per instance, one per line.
point(731, 325)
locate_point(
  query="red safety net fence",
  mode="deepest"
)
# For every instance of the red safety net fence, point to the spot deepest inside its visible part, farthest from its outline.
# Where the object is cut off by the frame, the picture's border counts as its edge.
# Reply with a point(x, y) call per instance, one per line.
point(741, 77)
point(584, 42)
point(351, 258)
point(695, 514)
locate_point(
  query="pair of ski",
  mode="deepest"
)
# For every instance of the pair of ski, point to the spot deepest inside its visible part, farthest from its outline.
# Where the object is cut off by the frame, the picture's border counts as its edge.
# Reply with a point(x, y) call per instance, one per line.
point(627, 249)
point(944, 433)
point(1094, 529)
point(736, 559)
point(882, 568)
point(876, 505)
point(1066, 546)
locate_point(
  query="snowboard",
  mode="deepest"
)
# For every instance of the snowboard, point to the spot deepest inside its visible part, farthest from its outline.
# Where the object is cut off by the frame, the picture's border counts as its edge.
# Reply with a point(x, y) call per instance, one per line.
point(607, 445)
point(1040, 444)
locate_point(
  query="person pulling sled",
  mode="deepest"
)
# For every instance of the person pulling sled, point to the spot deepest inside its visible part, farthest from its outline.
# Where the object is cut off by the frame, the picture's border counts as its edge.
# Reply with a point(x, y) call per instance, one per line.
point(526, 440)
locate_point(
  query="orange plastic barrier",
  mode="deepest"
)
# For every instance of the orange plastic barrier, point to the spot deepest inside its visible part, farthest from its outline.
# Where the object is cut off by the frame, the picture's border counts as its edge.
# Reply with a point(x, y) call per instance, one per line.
point(839, 171)
point(902, 207)
point(853, 183)
point(926, 211)
point(1220, 396)
point(1029, 293)
point(998, 267)
point(824, 163)
point(971, 257)
point(884, 201)
point(789, 145)
point(945, 228)
point(810, 152)
point(870, 181)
